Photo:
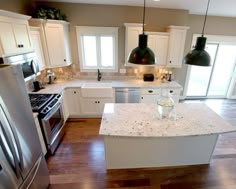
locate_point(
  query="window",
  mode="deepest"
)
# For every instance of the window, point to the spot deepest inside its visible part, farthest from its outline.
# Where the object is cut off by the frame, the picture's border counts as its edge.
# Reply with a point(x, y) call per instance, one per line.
point(98, 48)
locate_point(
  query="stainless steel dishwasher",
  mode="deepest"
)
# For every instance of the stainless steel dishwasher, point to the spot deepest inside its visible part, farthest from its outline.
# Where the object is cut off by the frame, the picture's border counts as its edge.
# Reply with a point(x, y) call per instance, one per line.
point(127, 95)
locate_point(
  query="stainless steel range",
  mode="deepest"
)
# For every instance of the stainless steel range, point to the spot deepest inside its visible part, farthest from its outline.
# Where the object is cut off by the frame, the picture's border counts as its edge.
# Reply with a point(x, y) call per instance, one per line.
point(49, 107)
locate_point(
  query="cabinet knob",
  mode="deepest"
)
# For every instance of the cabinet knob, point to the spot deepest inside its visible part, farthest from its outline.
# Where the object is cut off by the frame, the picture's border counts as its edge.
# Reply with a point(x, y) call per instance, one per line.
point(18, 46)
point(171, 91)
point(141, 97)
point(64, 60)
point(98, 102)
point(74, 92)
point(22, 46)
point(150, 91)
point(170, 61)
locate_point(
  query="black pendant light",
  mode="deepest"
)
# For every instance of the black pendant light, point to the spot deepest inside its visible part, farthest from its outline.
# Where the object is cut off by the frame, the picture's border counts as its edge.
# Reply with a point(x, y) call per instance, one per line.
point(198, 56)
point(142, 55)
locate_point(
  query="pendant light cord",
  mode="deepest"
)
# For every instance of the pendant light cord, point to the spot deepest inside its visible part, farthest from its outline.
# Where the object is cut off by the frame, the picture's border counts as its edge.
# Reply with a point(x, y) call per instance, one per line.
point(144, 14)
point(205, 18)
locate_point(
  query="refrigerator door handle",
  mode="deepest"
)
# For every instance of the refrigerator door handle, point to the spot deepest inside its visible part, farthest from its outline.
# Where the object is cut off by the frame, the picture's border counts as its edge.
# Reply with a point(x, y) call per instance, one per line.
point(9, 152)
point(12, 135)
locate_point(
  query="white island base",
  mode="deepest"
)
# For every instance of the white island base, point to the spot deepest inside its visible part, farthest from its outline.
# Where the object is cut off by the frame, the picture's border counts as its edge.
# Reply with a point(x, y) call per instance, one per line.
point(135, 137)
point(138, 152)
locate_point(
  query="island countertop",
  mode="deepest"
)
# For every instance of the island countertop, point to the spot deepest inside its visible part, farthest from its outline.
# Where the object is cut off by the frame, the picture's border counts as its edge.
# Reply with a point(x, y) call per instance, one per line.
point(142, 120)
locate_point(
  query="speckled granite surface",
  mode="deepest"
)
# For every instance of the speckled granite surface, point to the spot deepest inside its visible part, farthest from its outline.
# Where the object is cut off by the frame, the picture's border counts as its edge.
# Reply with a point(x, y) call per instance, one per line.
point(142, 120)
point(60, 85)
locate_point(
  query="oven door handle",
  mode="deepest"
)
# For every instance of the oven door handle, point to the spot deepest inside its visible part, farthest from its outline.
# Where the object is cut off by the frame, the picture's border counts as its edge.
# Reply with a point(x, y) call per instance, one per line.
point(55, 109)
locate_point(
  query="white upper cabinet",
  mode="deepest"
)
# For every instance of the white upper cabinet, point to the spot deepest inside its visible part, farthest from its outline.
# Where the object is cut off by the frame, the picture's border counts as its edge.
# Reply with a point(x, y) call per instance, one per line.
point(132, 32)
point(176, 45)
point(14, 34)
point(37, 46)
point(159, 42)
point(56, 41)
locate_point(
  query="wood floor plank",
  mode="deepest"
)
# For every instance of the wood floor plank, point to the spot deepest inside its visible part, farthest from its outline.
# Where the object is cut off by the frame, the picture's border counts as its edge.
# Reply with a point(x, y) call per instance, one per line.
point(79, 162)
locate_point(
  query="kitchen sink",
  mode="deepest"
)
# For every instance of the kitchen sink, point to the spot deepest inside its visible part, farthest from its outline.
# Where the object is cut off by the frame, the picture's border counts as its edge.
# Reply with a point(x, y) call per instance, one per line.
point(97, 89)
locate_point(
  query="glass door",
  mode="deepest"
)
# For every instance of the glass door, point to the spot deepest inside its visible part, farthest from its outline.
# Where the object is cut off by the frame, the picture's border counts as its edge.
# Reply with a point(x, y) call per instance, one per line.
point(223, 69)
point(200, 76)
point(213, 82)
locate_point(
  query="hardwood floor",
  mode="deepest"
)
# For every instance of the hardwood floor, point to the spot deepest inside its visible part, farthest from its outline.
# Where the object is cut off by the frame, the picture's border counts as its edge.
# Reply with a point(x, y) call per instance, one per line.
point(79, 162)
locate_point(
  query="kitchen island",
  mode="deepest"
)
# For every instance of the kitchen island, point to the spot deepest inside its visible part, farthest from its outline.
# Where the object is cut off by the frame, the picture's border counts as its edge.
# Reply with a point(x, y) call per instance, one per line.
point(136, 137)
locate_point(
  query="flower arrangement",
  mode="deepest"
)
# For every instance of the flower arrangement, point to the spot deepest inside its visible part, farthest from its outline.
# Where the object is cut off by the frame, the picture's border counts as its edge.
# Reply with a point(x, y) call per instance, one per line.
point(45, 12)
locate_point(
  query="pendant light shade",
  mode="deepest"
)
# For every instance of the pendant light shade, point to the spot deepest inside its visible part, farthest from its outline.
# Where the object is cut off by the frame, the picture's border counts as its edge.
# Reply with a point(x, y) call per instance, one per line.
point(142, 55)
point(198, 56)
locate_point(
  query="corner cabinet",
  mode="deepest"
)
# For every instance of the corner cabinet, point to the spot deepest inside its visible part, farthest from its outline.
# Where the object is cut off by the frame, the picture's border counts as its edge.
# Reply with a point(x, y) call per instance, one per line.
point(176, 45)
point(55, 42)
point(14, 34)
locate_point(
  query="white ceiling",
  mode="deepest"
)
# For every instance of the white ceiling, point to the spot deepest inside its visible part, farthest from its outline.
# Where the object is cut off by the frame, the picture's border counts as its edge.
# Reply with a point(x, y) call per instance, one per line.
point(216, 8)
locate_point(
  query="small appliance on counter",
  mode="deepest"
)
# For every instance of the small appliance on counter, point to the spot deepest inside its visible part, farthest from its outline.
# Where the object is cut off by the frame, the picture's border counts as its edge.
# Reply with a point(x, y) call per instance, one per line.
point(148, 77)
point(37, 86)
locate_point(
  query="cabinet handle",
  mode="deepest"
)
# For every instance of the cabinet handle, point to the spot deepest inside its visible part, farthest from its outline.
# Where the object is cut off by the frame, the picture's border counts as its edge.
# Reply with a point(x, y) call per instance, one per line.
point(151, 91)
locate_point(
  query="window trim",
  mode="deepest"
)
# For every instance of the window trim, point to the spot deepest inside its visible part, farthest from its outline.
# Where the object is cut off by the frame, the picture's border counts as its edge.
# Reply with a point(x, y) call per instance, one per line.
point(97, 31)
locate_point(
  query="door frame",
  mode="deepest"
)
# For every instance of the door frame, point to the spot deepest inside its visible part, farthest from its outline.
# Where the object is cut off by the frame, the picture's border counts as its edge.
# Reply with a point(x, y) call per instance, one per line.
point(219, 39)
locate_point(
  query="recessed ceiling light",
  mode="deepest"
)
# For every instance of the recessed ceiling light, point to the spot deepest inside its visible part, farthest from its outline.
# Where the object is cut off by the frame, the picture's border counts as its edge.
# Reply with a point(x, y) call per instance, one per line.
point(156, 0)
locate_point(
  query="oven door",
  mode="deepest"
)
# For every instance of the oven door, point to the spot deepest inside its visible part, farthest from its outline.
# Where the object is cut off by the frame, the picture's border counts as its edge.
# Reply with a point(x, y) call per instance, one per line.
point(52, 123)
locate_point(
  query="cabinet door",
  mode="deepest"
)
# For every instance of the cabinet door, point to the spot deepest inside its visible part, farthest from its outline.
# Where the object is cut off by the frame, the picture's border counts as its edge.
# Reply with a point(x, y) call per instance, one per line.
point(131, 39)
point(159, 45)
point(89, 106)
point(37, 46)
point(56, 46)
point(149, 98)
point(72, 103)
point(101, 103)
point(7, 38)
point(176, 46)
point(22, 35)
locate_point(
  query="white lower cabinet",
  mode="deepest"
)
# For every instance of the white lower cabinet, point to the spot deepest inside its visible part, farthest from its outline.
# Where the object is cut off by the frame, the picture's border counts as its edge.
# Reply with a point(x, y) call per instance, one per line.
point(149, 95)
point(94, 106)
point(40, 135)
point(72, 102)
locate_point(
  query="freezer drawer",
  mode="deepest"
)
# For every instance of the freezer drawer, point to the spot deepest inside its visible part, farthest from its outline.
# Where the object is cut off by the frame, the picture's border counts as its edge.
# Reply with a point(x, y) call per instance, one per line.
point(38, 177)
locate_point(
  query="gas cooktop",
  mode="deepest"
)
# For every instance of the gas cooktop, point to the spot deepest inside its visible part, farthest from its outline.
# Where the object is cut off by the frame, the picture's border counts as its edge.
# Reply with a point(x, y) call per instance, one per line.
point(38, 101)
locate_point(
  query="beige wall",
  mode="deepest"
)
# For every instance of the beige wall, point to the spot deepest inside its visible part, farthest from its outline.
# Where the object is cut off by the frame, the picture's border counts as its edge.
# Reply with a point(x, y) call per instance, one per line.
point(156, 20)
point(18, 6)
point(104, 15)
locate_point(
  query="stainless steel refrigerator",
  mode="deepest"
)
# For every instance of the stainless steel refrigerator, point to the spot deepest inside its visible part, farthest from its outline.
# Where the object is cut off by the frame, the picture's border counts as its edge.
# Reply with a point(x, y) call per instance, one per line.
point(22, 164)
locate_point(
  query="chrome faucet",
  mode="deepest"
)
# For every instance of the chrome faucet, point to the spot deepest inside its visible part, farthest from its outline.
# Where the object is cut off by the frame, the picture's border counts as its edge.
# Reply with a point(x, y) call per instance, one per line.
point(99, 75)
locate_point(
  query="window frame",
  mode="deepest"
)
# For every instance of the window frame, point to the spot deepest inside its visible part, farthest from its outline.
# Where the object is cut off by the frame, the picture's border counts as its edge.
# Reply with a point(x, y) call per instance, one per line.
point(98, 32)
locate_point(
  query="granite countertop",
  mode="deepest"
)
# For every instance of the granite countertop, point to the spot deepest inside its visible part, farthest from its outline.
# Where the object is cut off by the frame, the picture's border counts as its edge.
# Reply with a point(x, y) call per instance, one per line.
point(142, 120)
point(59, 85)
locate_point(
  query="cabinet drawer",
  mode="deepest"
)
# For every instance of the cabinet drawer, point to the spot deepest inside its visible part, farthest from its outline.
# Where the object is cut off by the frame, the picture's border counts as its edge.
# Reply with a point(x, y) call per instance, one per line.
point(172, 91)
point(150, 91)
